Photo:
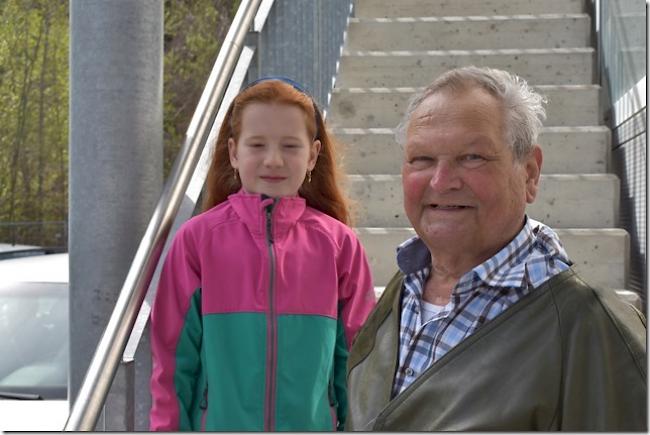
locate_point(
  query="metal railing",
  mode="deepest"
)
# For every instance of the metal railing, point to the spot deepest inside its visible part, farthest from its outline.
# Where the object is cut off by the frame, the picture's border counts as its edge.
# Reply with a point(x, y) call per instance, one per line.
point(104, 364)
point(236, 64)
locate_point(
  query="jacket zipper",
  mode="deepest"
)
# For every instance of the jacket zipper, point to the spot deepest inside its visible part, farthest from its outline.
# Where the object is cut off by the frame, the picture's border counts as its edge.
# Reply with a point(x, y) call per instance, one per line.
point(331, 393)
point(204, 408)
point(271, 357)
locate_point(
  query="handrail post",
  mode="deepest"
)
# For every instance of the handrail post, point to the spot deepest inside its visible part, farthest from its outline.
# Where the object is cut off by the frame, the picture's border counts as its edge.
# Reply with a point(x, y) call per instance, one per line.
point(107, 357)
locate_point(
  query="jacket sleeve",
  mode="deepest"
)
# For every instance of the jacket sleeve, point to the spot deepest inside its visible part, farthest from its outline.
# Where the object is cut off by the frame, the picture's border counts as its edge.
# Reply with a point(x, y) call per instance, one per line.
point(604, 367)
point(356, 291)
point(176, 337)
point(356, 301)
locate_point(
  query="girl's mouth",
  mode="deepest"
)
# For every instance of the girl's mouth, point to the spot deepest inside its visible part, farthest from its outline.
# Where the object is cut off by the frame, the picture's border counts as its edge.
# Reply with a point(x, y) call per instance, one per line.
point(272, 179)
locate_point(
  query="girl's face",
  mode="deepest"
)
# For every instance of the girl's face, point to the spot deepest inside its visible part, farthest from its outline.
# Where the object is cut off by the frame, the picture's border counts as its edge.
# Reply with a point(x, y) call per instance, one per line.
point(274, 150)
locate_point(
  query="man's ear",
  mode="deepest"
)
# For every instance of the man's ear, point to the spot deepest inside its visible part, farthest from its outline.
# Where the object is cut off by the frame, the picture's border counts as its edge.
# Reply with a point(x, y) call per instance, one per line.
point(533, 166)
point(232, 153)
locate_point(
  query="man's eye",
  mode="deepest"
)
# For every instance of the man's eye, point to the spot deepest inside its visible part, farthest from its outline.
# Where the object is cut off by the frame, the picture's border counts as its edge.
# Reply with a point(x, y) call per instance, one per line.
point(472, 160)
point(420, 161)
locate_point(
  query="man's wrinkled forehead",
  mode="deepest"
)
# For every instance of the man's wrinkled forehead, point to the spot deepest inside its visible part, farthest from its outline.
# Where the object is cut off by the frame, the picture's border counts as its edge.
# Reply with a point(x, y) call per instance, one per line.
point(441, 106)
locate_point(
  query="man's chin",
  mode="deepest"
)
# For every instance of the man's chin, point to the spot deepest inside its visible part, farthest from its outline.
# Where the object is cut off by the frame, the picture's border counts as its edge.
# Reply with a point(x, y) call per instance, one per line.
point(445, 235)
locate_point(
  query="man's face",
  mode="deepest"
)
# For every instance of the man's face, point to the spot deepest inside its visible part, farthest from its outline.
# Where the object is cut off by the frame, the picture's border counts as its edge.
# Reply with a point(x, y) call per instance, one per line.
point(464, 193)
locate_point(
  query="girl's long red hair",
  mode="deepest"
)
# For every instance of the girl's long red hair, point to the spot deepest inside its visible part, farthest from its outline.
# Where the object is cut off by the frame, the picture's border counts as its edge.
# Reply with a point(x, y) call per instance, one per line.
point(322, 193)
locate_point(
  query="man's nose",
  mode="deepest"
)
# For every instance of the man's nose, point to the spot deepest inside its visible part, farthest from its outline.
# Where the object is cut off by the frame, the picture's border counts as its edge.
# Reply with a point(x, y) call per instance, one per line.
point(273, 157)
point(445, 177)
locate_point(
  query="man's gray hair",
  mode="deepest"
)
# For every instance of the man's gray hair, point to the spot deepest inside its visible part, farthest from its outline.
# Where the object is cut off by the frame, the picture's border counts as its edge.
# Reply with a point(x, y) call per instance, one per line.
point(523, 107)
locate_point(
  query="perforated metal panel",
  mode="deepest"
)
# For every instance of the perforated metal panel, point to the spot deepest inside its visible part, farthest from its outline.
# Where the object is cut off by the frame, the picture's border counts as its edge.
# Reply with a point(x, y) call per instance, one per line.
point(621, 26)
point(302, 39)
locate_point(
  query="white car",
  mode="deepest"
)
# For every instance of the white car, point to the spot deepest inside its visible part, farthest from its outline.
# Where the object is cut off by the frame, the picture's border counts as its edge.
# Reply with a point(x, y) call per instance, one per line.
point(34, 340)
point(10, 250)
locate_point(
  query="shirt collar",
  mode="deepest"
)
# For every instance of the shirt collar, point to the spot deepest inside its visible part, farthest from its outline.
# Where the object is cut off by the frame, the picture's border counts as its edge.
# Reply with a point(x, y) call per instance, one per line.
point(507, 268)
point(413, 256)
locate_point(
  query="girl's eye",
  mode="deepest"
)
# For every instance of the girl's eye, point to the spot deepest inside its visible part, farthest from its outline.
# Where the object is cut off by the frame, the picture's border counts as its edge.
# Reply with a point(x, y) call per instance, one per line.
point(291, 146)
point(256, 145)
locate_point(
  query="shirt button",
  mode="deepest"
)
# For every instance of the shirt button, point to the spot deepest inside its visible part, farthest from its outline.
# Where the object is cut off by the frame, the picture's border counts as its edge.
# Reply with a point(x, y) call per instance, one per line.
point(409, 371)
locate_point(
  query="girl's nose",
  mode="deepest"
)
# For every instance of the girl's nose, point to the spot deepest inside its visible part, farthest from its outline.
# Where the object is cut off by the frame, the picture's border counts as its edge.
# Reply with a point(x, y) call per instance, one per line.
point(273, 157)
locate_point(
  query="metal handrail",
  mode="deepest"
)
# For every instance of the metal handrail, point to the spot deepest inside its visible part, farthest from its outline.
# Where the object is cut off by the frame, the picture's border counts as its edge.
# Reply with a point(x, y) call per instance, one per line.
point(192, 194)
point(103, 366)
point(195, 184)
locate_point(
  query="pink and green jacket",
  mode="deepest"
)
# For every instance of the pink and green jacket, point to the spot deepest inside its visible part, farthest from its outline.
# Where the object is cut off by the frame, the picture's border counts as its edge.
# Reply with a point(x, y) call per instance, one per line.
point(257, 306)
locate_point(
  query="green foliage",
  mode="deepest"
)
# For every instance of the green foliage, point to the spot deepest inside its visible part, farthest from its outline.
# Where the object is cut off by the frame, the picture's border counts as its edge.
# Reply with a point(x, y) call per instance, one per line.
point(34, 102)
point(33, 110)
point(194, 30)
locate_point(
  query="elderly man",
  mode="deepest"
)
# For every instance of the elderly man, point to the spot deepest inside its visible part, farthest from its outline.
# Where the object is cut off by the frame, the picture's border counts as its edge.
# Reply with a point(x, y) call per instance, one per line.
point(486, 326)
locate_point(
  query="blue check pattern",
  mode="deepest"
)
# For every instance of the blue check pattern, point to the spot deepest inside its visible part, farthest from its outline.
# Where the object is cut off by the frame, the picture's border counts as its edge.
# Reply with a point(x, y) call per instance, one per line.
point(531, 258)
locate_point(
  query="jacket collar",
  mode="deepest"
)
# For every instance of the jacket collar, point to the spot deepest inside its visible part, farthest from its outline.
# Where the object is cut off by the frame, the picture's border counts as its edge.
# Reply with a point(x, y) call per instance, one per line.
point(564, 289)
point(252, 210)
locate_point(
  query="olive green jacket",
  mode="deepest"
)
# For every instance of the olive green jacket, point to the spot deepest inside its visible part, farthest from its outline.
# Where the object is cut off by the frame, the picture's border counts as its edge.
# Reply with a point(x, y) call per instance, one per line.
point(565, 357)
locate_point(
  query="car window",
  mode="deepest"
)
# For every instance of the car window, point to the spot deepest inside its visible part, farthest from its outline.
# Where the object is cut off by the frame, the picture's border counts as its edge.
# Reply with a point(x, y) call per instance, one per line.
point(34, 338)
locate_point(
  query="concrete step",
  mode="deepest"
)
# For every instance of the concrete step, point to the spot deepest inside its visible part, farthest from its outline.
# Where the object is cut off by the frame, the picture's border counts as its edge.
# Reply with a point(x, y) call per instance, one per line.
point(564, 201)
point(571, 105)
point(551, 66)
point(428, 8)
point(567, 150)
point(469, 32)
point(600, 256)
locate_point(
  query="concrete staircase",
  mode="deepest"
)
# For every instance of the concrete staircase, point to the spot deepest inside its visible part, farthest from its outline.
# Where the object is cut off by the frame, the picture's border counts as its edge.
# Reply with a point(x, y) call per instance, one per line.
point(394, 47)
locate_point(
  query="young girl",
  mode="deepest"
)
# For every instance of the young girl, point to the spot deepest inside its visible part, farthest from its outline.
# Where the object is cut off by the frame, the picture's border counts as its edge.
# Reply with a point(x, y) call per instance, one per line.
point(261, 295)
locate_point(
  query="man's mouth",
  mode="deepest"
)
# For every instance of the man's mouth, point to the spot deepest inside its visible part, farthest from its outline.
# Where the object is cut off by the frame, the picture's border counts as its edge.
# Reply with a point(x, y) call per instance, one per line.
point(448, 207)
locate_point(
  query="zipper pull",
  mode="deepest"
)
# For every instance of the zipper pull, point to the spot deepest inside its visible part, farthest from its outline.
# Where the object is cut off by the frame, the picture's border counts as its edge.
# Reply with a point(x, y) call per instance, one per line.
point(331, 392)
point(269, 221)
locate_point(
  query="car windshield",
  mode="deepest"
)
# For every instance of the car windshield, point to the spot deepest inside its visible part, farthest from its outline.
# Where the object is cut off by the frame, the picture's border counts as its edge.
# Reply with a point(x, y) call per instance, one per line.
point(34, 339)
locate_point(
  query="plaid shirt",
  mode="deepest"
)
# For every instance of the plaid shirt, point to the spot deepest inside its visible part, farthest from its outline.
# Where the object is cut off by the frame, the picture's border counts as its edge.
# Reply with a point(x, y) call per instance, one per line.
point(532, 257)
